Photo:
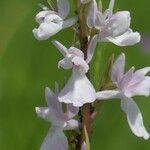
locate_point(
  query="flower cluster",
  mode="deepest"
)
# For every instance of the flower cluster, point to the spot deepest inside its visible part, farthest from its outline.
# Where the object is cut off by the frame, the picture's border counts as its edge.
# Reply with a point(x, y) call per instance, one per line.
point(107, 27)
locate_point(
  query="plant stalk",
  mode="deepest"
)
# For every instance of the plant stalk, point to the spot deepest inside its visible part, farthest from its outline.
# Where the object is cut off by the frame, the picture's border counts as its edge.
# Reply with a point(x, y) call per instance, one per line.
point(83, 37)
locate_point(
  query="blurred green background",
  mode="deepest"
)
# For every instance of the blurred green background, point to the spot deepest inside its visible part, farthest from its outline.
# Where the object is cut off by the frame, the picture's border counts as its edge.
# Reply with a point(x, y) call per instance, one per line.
point(27, 66)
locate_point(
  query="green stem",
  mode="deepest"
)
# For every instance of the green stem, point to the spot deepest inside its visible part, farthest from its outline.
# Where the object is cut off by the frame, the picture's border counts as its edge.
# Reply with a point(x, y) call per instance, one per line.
point(83, 37)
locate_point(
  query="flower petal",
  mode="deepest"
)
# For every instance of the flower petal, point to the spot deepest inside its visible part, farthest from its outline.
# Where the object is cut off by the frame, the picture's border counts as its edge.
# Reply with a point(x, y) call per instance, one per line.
point(52, 101)
point(43, 112)
point(109, 94)
point(71, 111)
point(50, 115)
point(99, 20)
point(55, 140)
point(118, 68)
point(42, 14)
point(125, 80)
point(65, 63)
point(142, 72)
point(118, 23)
point(84, 146)
point(69, 22)
point(139, 75)
point(91, 18)
point(46, 30)
point(78, 91)
point(71, 124)
point(80, 65)
point(126, 39)
point(91, 49)
point(63, 50)
point(63, 8)
point(142, 88)
point(76, 52)
point(134, 117)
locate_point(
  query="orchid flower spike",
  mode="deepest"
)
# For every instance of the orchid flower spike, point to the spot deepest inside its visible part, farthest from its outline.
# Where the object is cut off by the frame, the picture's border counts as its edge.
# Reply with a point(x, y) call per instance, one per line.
point(78, 90)
point(129, 85)
point(51, 22)
point(56, 139)
point(113, 28)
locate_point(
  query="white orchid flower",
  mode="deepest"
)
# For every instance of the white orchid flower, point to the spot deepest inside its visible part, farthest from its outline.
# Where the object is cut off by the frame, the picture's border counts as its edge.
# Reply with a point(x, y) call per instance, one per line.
point(56, 139)
point(51, 22)
point(78, 89)
point(113, 28)
point(129, 85)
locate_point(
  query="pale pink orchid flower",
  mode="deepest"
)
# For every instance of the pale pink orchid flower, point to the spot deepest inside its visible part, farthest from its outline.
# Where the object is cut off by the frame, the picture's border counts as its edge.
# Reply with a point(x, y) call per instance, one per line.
point(113, 28)
point(132, 83)
point(51, 22)
point(78, 90)
point(60, 121)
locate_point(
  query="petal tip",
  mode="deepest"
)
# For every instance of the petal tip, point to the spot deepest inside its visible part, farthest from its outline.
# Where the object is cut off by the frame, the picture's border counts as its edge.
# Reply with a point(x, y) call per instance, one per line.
point(146, 137)
point(47, 89)
point(122, 55)
point(38, 110)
